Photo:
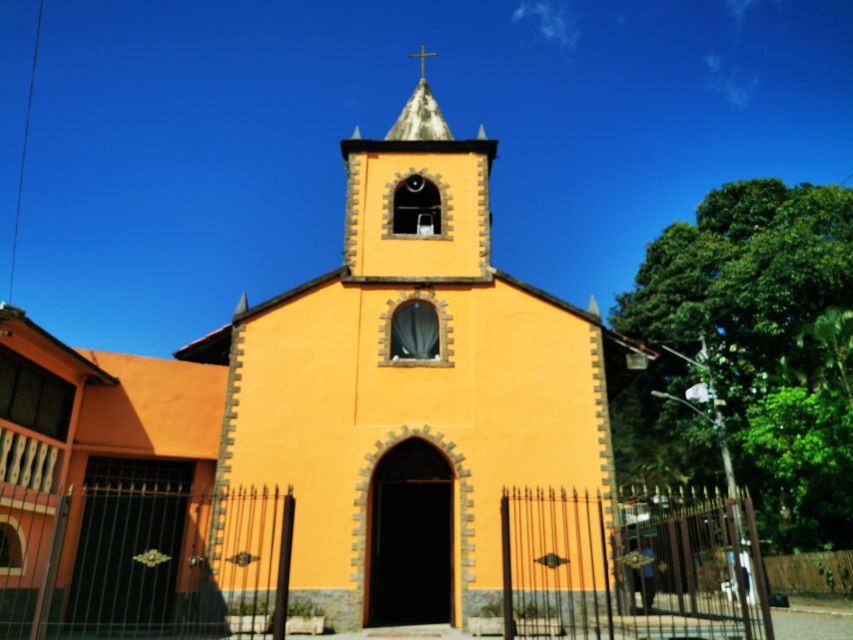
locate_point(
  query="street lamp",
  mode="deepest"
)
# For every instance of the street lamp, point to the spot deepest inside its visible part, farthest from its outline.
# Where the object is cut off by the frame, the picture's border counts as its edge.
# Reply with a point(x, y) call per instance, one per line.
point(719, 430)
point(718, 424)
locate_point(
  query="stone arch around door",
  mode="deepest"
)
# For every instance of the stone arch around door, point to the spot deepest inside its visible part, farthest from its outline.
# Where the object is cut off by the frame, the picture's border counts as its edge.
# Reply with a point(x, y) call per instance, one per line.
point(465, 526)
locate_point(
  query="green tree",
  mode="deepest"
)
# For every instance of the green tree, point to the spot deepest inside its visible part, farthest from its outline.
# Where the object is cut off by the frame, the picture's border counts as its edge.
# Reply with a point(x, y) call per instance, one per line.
point(761, 261)
point(802, 441)
point(830, 363)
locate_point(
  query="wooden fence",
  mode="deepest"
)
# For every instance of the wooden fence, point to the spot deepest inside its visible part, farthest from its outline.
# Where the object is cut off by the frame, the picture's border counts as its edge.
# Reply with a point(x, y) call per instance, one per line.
point(819, 572)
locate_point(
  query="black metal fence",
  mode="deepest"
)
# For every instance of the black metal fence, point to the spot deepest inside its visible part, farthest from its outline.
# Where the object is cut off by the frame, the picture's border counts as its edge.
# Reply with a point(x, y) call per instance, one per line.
point(31, 529)
point(555, 564)
point(133, 561)
point(655, 566)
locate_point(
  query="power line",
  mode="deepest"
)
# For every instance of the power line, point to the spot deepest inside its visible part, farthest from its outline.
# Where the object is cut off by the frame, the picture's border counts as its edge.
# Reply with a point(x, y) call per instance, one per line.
point(24, 152)
point(841, 184)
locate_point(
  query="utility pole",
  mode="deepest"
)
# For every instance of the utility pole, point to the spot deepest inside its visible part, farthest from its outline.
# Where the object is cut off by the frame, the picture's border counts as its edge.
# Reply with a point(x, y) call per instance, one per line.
point(718, 423)
point(722, 434)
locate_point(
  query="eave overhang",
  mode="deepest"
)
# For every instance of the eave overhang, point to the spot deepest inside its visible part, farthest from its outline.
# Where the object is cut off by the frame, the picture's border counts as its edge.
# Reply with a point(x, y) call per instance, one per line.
point(14, 319)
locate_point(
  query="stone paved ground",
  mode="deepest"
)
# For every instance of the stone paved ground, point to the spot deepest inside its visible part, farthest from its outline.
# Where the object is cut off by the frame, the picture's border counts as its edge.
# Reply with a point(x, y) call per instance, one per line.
point(787, 625)
point(797, 625)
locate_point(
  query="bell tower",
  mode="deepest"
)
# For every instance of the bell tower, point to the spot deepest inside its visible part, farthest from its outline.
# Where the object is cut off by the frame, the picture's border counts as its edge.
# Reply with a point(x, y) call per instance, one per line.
point(417, 207)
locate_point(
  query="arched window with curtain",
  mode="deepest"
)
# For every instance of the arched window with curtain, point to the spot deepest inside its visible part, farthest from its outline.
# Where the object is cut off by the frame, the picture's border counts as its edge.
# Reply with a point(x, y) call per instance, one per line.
point(415, 332)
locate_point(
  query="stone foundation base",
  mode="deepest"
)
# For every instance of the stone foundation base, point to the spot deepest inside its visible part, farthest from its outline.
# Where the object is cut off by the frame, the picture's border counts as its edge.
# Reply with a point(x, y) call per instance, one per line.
point(566, 605)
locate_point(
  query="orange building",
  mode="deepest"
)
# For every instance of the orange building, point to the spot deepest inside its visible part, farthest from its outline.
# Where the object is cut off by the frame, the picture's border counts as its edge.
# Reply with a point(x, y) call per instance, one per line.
point(401, 392)
point(65, 424)
point(398, 393)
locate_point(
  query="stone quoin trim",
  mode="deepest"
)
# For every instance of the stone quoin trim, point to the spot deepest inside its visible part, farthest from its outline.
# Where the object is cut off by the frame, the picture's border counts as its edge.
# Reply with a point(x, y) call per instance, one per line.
point(444, 331)
point(226, 439)
point(484, 224)
point(388, 207)
point(602, 415)
point(352, 209)
point(466, 503)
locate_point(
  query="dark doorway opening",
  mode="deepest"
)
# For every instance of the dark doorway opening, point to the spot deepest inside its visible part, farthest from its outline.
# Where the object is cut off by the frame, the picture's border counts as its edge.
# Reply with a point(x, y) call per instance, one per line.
point(129, 552)
point(411, 546)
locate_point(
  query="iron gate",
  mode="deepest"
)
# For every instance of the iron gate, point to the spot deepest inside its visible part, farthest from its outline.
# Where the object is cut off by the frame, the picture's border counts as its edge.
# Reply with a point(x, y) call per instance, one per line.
point(666, 566)
point(153, 562)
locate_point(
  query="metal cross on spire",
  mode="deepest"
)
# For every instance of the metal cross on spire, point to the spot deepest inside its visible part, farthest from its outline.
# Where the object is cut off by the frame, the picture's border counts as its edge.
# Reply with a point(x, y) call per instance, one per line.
point(422, 55)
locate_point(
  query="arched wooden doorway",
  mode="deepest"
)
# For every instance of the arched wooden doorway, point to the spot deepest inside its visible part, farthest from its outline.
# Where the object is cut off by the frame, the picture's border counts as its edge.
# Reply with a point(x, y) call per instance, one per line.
point(411, 537)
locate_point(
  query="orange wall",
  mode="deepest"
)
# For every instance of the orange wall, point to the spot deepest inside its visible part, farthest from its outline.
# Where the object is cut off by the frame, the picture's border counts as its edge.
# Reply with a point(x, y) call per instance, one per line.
point(519, 404)
point(378, 256)
point(162, 407)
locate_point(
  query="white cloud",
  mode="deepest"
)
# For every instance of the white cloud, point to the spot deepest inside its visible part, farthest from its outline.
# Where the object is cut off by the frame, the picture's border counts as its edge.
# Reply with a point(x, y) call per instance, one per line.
point(555, 20)
point(738, 8)
point(713, 62)
point(736, 90)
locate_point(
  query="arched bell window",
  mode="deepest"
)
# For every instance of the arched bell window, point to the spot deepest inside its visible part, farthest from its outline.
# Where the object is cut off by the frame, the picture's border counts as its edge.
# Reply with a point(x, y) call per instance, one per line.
point(415, 332)
point(415, 329)
point(417, 207)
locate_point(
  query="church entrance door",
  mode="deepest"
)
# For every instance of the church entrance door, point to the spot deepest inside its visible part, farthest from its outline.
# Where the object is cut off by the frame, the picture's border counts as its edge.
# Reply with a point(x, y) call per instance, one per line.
point(411, 545)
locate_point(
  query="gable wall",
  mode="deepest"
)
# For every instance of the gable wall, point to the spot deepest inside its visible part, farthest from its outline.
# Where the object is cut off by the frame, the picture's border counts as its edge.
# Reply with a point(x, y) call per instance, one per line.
point(518, 403)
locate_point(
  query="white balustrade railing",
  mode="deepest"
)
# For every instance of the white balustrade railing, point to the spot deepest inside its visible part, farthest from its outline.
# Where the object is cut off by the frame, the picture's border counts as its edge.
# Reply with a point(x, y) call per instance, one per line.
point(27, 462)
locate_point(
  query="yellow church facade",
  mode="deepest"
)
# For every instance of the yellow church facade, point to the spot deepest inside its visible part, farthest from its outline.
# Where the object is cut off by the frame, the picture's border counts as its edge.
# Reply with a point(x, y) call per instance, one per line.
point(400, 393)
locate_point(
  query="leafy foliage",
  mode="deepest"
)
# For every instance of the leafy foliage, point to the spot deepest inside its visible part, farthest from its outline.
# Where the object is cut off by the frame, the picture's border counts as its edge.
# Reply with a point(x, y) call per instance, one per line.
point(249, 607)
point(757, 275)
point(299, 608)
point(802, 442)
point(494, 608)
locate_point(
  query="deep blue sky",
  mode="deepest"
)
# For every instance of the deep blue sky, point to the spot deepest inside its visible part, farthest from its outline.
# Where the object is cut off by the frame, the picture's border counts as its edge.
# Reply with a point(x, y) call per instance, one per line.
point(181, 152)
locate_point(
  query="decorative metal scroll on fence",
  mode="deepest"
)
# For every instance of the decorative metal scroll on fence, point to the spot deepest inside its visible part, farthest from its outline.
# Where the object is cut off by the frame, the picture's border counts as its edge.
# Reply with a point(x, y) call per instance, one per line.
point(667, 566)
point(555, 564)
point(133, 561)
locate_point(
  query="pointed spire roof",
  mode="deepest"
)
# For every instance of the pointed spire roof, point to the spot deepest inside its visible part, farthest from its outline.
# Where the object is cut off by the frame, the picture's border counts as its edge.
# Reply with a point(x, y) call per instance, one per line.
point(421, 118)
point(593, 306)
point(242, 305)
